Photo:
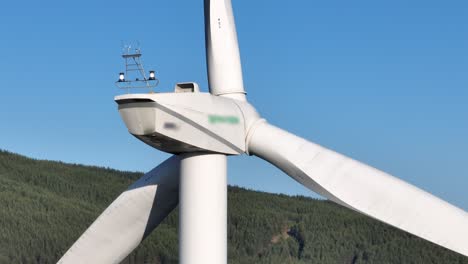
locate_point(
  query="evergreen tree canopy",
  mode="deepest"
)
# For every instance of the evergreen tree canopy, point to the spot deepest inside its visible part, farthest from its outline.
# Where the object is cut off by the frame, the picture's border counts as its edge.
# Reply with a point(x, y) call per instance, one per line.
point(45, 206)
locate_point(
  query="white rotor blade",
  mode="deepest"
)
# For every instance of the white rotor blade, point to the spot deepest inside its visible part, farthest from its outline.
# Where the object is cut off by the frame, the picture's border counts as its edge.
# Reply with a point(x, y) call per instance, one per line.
point(130, 218)
point(362, 188)
point(222, 50)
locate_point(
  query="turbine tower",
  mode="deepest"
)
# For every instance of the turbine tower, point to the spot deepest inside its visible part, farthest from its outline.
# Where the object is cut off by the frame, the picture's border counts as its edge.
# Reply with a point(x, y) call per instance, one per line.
point(201, 129)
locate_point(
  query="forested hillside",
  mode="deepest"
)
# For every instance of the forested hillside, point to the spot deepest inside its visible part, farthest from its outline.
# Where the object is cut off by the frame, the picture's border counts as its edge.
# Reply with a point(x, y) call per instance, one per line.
point(45, 206)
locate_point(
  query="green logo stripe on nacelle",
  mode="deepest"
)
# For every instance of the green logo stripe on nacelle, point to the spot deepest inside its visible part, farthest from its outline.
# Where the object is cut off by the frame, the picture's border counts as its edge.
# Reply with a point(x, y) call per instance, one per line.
point(217, 119)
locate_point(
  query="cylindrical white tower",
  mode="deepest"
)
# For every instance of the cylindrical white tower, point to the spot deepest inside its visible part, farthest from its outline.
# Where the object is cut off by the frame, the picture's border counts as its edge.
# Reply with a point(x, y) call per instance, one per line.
point(203, 209)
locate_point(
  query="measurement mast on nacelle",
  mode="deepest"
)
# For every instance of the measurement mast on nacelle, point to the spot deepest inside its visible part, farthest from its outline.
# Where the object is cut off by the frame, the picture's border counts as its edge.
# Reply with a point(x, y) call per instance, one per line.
point(134, 75)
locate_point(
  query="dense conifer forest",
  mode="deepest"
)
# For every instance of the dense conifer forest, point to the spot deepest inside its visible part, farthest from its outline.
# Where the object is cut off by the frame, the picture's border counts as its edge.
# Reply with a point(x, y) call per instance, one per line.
point(46, 205)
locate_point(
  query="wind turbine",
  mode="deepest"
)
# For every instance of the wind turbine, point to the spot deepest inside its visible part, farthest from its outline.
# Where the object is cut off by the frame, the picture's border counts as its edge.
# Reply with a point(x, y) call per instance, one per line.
point(201, 129)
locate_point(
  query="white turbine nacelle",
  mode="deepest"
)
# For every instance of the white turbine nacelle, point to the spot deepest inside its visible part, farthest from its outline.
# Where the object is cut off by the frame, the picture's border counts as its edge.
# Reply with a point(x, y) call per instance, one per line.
point(188, 121)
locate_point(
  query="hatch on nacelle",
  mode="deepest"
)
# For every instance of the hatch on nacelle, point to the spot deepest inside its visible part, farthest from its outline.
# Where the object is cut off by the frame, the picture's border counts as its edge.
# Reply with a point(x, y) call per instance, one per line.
point(187, 87)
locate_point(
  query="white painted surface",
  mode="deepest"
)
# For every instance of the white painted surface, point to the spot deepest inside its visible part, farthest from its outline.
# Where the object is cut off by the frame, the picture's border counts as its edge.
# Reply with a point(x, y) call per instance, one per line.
point(130, 218)
point(362, 188)
point(222, 50)
point(203, 209)
point(204, 121)
point(190, 116)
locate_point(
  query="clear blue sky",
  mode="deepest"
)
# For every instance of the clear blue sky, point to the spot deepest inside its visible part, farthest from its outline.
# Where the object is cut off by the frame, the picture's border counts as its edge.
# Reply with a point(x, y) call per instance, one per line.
point(385, 82)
